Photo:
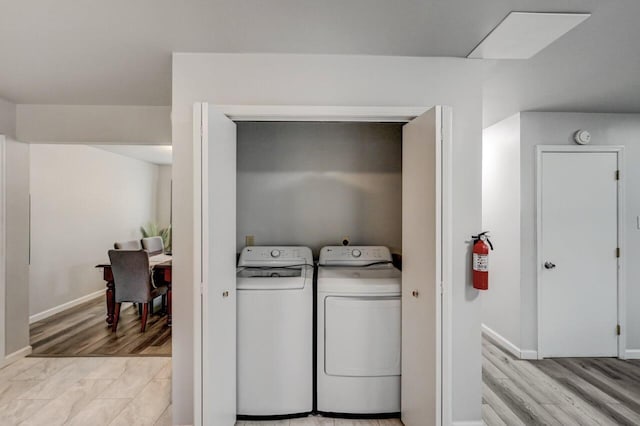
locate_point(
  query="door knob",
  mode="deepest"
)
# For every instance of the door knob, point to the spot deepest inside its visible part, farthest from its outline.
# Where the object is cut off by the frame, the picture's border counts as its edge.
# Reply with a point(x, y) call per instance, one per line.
point(549, 265)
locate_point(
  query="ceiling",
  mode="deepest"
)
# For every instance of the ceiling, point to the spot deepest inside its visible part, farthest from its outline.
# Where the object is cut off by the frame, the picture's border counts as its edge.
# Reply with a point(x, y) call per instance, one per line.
point(155, 154)
point(593, 68)
point(118, 52)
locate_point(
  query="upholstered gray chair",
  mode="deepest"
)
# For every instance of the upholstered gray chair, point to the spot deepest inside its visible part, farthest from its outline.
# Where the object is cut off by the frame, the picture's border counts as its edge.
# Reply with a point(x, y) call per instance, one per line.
point(127, 245)
point(153, 245)
point(132, 282)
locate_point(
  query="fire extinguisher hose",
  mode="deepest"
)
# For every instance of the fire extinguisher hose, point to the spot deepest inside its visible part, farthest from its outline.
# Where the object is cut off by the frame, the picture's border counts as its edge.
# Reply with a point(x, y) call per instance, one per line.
point(484, 236)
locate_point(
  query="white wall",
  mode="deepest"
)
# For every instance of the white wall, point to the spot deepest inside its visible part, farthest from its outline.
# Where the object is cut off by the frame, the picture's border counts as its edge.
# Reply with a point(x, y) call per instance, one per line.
point(541, 128)
point(163, 201)
point(83, 124)
point(7, 118)
point(334, 80)
point(16, 186)
point(501, 216)
point(314, 183)
point(17, 244)
point(82, 200)
point(7, 128)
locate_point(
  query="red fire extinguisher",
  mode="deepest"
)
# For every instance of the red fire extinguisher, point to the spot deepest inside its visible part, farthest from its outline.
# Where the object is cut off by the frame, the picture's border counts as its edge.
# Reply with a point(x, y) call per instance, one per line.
point(481, 247)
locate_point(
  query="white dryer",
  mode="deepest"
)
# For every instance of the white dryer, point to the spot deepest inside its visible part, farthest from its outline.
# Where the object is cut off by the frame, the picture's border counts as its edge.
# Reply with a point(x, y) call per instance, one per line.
point(274, 331)
point(359, 331)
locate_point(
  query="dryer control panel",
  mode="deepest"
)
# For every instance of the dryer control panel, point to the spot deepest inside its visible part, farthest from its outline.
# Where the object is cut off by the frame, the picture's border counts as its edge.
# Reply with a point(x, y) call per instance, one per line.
point(274, 256)
point(354, 255)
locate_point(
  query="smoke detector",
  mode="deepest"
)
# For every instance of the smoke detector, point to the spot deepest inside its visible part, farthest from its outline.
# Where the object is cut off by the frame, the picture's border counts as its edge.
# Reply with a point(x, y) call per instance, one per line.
point(582, 137)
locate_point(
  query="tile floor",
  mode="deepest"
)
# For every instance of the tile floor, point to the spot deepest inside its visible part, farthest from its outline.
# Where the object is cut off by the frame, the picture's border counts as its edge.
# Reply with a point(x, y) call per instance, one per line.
point(86, 391)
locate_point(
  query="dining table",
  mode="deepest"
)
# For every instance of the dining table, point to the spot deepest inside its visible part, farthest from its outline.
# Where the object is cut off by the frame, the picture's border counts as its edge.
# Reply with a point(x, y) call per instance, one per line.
point(160, 263)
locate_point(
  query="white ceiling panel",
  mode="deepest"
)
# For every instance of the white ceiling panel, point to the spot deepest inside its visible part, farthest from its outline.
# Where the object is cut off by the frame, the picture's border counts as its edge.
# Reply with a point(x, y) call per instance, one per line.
point(521, 35)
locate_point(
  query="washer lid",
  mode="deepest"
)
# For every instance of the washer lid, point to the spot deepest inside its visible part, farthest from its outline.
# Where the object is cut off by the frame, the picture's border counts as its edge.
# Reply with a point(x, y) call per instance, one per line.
point(276, 278)
point(371, 280)
point(252, 272)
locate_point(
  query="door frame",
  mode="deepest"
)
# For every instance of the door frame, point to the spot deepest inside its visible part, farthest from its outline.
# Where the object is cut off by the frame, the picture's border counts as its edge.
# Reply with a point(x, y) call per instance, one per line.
point(444, 152)
point(621, 283)
point(3, 251)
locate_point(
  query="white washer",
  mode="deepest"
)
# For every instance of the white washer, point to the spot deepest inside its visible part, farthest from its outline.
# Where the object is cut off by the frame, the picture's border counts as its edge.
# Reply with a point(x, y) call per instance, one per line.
point(359, 331)
point(275, 328)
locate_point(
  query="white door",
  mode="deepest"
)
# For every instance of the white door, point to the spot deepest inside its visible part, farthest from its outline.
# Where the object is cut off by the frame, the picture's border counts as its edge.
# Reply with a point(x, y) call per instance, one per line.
point(361, 337)
point(421, 269)
point(216, 265)
point(578, 263)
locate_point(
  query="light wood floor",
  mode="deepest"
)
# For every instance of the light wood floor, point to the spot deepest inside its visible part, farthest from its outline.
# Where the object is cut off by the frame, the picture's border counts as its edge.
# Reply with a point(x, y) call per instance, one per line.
point(82, 331)
point(567, 391)
point(86, 391)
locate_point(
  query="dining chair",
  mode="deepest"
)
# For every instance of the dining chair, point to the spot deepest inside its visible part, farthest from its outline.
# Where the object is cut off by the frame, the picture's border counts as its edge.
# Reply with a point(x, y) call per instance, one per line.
point(132, 282)
point(153, 245)
point(127, 245)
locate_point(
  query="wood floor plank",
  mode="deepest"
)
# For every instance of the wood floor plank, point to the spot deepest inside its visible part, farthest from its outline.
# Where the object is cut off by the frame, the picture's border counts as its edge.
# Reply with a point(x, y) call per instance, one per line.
point(618, 389)
point(631, 417)
point(624, 368)
point(82, 331)
point(490, 417)
point(561, 413)
point(585, 391)
point(512, 369)
point(614, 369)
point(62, 320)
point(569, 392)
point(73, 336)
point(490, 368)
point(522, 404)
point(587, 404)
point(500, 407)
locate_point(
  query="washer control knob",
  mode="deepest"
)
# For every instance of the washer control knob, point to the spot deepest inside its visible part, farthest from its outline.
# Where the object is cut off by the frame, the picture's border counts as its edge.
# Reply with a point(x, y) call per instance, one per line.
point(275, 253)
point(356, 253)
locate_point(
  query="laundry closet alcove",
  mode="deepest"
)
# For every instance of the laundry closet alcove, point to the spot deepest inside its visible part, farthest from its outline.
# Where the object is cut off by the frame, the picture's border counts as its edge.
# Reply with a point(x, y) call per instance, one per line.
point(425, 248)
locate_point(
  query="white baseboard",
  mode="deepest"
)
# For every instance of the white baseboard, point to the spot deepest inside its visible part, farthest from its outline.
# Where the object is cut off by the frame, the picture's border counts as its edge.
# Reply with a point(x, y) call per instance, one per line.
point(504, 343)
point(50, 312)
point(469, 423)
point(13, 357)
point(508, 346)
point(528, 354)
point(632, 354)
